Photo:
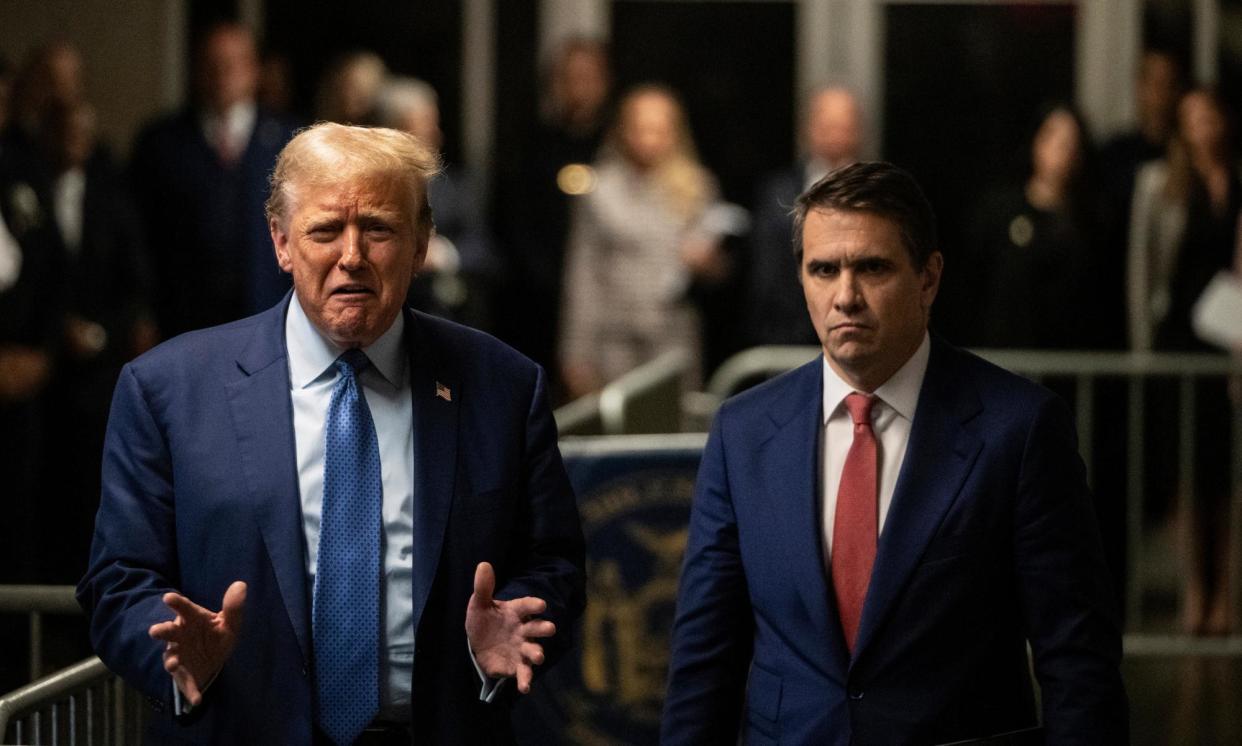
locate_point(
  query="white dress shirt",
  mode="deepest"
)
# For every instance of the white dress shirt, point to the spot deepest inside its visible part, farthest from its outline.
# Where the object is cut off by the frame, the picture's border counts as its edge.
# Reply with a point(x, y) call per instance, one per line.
point(69, 191)
point(10, 257)
point(891, 417)
point(386, 385)
point(232, 129)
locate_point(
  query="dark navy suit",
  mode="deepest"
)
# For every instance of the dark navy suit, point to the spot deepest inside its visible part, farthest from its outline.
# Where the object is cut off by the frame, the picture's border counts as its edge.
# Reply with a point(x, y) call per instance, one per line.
point(205, 223)
point(200, 488)
point(990, 540)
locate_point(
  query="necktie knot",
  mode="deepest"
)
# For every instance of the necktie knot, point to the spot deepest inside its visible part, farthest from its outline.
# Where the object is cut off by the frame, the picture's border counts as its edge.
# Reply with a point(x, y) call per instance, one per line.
point(352, 361)
point(859, 406)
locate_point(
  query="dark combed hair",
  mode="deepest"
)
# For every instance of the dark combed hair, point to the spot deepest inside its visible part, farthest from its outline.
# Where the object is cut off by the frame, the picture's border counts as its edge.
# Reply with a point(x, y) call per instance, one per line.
point(874, 187)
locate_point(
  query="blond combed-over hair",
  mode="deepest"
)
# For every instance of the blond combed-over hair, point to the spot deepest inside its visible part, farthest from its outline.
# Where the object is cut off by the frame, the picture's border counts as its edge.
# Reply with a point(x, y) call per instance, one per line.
point(329, 153)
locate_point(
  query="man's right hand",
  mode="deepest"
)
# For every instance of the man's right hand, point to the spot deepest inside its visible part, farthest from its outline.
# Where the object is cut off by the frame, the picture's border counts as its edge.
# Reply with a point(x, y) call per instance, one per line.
point(197, 641)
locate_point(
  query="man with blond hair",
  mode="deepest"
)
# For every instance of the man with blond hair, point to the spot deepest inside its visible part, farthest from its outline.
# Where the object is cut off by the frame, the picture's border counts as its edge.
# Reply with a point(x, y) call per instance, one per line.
point(371, 496)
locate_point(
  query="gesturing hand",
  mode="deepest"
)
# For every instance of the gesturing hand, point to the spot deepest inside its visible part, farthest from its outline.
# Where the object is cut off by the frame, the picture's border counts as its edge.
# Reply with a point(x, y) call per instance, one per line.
point(502, 634)
point(198, 641)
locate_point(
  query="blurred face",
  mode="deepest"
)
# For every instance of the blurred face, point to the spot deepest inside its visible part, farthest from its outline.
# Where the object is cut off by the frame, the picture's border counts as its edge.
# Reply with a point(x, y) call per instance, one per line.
point(229, 72)
point(358, 85)
point(583, 83)
point(649, 128)
point(868, 303)
point(424, 123)
point(352, 249)
point(64, 70)
point(833, 128)
point(1055, 151)
point(1201, 122)
point(1157, 91)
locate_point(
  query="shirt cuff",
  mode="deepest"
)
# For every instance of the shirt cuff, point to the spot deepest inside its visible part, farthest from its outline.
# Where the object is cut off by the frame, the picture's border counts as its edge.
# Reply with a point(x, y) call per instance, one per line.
point(491, 686)
point(181, 705)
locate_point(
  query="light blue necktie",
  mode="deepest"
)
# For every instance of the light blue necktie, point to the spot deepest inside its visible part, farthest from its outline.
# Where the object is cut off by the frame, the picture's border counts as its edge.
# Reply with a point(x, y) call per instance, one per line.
point(347, 579)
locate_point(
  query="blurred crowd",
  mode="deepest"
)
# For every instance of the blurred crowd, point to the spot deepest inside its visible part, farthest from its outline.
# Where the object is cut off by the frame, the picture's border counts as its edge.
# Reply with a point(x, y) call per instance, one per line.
point(607, 243)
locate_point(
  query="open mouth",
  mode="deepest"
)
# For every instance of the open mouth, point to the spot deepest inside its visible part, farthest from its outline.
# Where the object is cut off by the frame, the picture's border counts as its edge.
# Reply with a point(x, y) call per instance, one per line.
point(353, 291)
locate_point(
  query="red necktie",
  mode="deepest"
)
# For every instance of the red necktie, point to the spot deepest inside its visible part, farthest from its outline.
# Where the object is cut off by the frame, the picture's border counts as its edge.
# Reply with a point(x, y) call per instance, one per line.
point(854, 531)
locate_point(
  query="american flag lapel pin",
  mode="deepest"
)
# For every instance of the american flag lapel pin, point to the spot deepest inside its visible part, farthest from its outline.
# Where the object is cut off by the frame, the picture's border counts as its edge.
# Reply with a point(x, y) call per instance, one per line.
point(443, 392)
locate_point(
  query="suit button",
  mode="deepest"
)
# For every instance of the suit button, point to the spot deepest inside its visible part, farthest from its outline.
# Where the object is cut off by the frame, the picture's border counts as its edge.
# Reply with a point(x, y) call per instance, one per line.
point(304, 672)
point(856, 694)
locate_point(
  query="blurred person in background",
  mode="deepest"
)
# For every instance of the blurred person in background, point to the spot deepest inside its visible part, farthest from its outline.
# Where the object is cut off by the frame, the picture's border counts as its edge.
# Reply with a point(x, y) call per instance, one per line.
point(200, 179)
point(460, 264)
point(832, 136)
point(108, 321)
point(1184, 229)
point(51, 72)
point(348, 91)
point(276, 82)
point(31, 301)
point(637, 242)
point(1157, 88)
point(535, 192)
point(1035, 244)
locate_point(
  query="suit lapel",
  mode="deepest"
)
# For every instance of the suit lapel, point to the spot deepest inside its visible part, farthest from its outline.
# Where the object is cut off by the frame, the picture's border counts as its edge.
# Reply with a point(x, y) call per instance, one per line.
point(939, 456)
point(436, 395)
point(263, 417)
point(790, 470)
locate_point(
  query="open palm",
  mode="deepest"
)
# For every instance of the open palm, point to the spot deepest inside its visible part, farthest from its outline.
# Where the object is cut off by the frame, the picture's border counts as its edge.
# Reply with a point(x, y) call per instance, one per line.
point(503, 634)
point(198, 641)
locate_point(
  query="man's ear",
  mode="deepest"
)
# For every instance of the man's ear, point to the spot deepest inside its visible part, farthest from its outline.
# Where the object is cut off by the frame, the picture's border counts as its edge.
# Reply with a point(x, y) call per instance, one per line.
point(931, 277)
point(422, 239)
point(280, 242)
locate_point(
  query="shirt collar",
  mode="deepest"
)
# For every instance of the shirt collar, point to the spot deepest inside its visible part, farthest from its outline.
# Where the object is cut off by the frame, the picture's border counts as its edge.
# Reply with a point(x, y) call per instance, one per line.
point(311, 354)
point(237, 121)
point(900, 392)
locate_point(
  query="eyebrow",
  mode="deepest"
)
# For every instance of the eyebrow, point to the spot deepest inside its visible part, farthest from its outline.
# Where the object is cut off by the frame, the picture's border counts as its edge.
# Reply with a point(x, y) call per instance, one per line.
point(865, 259)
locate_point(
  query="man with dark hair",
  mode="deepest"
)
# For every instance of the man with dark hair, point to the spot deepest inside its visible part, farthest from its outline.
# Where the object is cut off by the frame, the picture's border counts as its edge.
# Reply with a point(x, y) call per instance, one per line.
point(878, 535)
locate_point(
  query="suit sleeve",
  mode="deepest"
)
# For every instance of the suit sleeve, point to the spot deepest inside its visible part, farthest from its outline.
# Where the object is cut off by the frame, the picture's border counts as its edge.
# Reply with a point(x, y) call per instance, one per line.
point(1069, 605)
point(133, 559)
point(548, 559)
point(713, 634)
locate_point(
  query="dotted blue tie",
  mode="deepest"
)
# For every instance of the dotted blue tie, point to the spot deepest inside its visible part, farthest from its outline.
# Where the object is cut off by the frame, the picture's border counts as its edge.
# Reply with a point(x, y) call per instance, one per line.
point(347, 579)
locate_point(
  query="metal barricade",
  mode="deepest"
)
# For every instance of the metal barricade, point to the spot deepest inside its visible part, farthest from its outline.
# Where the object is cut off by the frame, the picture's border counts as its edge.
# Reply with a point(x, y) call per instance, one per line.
point(579, 417)
point(35, 601)
point(1086, 370)
point(82, 704)
point(644, 400)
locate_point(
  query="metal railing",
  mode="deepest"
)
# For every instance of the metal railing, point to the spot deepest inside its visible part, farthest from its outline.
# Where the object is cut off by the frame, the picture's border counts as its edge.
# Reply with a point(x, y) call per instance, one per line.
point(644, 400)
point(83, 704)
point(1085, 370)
point(35, 601)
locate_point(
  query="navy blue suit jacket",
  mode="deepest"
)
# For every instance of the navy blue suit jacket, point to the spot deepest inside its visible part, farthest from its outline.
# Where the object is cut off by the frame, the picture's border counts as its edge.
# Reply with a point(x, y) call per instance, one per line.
point(200, 489)
point(990, 540)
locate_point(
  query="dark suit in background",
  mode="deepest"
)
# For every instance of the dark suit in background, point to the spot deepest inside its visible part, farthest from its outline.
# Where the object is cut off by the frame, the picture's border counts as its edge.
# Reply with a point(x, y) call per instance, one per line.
point(30, 321)
point(774, 310)
point(109, 285)
point(210, 248)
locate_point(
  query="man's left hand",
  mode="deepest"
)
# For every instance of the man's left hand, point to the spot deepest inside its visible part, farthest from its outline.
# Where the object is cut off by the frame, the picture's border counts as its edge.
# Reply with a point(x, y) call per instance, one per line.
point(503, 634)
